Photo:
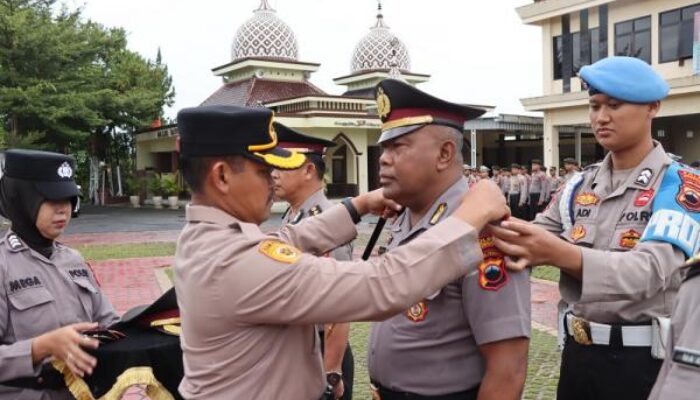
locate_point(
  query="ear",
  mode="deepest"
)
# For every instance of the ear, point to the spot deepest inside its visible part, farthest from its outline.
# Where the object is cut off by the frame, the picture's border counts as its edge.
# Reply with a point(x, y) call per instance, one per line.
point(309, 171)
point(654, 109)
point(446, 156)
point(219, 177)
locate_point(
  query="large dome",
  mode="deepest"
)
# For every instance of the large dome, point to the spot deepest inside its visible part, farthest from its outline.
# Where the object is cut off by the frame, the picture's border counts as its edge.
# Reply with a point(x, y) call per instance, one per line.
point(380, 49)
point(264, 35)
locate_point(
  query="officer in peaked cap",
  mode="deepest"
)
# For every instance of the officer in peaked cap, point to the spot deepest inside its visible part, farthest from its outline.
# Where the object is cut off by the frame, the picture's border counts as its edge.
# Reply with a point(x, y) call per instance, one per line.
point(250, 301)
point(49, 298)
point(303, 188)
point(445, 346)
point(610, 233)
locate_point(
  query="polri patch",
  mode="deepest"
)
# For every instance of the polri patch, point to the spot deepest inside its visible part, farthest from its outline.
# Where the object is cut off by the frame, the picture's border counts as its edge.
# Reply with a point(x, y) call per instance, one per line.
point(417, 312)
point(686, 356)
point(280, 251)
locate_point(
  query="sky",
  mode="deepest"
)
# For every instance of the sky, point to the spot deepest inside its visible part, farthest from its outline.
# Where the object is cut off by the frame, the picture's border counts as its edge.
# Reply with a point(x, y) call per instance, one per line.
point(477, 52)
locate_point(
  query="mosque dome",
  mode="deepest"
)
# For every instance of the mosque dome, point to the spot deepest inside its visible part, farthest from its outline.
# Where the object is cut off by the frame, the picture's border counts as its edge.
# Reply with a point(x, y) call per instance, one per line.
point(380, 49)
point(265, 35)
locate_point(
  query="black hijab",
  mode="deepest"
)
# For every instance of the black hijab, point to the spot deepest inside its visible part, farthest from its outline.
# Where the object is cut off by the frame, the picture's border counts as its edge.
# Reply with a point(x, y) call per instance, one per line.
point(20, 203)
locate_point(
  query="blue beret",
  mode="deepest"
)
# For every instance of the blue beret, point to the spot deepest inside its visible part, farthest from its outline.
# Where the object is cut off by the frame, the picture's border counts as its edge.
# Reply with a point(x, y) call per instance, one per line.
point(627, 79)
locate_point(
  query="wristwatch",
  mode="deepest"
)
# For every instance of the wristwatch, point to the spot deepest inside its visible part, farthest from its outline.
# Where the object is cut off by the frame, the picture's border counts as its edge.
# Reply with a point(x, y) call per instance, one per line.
point(333, 378)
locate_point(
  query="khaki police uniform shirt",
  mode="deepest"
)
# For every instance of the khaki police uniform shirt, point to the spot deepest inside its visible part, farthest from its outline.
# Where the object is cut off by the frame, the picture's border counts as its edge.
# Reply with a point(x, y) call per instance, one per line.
point(518, 185)
point(538, 185)
point(249, 302)
point(38, 295)
point(624, 280)
point(679, 378)
point(432, 348)
point(314, 205)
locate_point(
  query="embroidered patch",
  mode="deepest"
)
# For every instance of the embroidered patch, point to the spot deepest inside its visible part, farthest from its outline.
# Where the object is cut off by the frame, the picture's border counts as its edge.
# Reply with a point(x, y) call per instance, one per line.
point(644, 198)
point(24, 283)
point(438, 214)
point(629, 239)
point(689, 193)
point(417, 312)
point(315, 210)
point(492, 271)
point(587, 199)
point(578, 233)
point(279, 251)
point(686, 356)
point(644, 177)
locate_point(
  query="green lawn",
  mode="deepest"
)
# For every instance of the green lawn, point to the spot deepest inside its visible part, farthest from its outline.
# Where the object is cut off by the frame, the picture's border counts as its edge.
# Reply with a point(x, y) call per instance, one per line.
point(546, 273)
point(131, 250)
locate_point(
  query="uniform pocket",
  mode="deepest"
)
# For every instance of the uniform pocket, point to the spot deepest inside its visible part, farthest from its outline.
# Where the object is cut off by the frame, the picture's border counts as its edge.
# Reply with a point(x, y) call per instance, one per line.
point(32, 312)
point(86, 290)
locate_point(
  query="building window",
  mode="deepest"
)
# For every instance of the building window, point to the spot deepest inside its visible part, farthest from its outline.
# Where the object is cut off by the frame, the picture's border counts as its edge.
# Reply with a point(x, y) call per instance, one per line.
point(633, 38)
point(577, 59)
point(676, 33)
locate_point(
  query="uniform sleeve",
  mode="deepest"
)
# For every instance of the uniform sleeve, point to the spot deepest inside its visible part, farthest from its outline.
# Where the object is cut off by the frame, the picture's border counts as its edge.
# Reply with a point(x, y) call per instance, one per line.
point(104, 313)
point(321, 233)
point(632, 275)
point(550, 218)
point(343, 253)
point(323, 290)
point(15, 358)
point(496, 315)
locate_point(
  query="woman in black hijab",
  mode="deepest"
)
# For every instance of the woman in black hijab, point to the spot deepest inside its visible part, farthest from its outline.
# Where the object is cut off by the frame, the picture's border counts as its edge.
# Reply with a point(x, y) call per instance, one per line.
point(48, 295)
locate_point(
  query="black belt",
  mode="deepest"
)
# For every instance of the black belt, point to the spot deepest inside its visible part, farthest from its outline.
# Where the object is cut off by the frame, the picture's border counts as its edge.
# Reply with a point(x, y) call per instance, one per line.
point(48, 379)
point(388, 394)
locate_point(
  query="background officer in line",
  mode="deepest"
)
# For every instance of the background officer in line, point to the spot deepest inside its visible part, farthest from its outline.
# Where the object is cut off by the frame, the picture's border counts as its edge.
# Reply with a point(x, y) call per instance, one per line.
point(571, 167)
point(538, 188)
point(249, 301)
point(615, 233)
point(484, 172)
point(517, 192)
point(470, 337)
point(303, 189)
point(48, 295)
point(679, 378)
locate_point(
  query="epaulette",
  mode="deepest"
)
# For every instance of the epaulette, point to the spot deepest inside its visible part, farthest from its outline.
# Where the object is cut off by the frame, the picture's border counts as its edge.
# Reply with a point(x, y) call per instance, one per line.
point(14, 242)
point(693, 266)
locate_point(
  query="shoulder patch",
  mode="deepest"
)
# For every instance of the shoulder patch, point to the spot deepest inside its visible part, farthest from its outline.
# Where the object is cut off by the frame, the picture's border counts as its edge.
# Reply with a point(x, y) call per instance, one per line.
point(492, 271)
point(438, 213)
point(315, 210)
point(280, 251)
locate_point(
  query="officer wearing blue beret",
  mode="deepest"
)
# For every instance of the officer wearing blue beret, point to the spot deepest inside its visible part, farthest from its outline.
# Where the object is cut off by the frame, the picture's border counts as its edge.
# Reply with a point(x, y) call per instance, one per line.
point(618, 232)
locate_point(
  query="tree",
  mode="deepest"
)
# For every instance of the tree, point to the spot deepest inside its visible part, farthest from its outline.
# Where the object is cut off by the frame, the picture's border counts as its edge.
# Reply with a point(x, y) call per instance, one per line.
point(71, 85)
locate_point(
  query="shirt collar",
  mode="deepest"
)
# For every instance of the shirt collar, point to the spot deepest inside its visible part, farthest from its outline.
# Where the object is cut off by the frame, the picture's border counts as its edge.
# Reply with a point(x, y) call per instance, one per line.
point(642, 177)
point(213, 215)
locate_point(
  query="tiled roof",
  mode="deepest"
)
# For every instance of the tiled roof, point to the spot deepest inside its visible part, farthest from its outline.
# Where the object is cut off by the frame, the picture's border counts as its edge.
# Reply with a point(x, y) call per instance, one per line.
point(255, 91)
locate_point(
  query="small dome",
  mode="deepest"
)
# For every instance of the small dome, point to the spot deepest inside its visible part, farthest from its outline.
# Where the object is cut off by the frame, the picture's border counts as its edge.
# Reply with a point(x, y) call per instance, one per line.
point(380, 49)
point(264, 35)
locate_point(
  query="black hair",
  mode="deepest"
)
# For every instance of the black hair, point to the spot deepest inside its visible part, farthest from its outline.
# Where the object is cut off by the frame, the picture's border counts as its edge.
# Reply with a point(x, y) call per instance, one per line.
point(318, 163)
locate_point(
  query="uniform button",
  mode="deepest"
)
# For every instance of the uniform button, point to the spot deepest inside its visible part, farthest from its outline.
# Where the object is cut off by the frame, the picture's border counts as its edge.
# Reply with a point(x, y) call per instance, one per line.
point(40, 380)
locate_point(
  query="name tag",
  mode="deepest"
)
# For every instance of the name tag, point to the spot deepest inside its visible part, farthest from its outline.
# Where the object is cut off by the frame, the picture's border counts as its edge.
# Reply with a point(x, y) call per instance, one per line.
point(16, 285)
point(686, 356)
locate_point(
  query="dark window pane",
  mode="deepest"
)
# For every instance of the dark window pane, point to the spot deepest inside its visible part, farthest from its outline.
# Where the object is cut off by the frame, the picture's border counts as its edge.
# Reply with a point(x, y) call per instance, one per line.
point(557, 56)
point(623, 27)
point(642, 24)
point(689, 12)
point(671, 17)
point(686, 40)
point(577, 51)
point(642, 46)
point(595, 45)
point(670, 40)
point(623, 45)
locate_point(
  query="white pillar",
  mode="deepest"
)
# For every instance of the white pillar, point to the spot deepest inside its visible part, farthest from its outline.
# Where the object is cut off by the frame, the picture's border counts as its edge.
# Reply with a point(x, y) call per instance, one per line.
point(550, 143)
point(577, 145)
point(473, 148)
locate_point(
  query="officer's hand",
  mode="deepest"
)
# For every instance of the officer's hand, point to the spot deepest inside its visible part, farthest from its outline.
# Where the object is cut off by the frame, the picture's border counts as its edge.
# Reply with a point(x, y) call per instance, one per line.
point(482, 204)
point(375, 203)
point(339, 390)
point(66, 344)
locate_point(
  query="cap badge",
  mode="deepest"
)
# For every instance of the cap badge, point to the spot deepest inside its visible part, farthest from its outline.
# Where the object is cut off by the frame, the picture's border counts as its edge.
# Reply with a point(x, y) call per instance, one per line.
point(65, 171)
point(383, 104)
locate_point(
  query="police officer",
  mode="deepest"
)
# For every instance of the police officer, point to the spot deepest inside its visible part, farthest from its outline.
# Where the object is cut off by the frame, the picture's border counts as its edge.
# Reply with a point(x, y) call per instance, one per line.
point(484, 172)
point(617, 231)
point(303, 188)
point(517, 192)
point(538, 188)
point(469, 337)
point(679, 378)
point(249, 301)
point(571, 167)
point(48, 295)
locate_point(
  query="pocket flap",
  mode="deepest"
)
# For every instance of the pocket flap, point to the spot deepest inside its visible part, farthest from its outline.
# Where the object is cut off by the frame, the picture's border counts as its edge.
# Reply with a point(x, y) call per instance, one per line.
point(30, 298)
point(85, 284)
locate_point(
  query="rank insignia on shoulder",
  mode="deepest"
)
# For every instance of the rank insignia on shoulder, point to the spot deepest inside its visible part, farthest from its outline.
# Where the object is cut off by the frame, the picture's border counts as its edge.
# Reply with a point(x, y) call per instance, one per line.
point(644, 177)
point(689, 194)
point(417, 312)
point(315, 210)
point(14, 242)
point(629, 239)
point(492, 271)
point(587, 199)
point(280, 251)
point(578, 233)
point(644, 198)
point(438, 213)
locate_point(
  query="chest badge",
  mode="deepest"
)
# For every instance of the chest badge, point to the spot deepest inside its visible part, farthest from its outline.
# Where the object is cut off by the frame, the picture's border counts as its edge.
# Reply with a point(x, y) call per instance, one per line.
point(438, 213)
point(587, 199)
point(689, 193)
point(492, 271)
point(629, 239)
point(644, 177)
point(578, 233)
point(279, 251)
point(417, 312)
point(644, 198)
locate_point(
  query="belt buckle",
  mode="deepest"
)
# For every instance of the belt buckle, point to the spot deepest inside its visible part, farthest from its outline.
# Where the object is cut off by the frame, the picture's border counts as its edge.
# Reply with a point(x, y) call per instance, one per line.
point(375, 392)
point(582, 331)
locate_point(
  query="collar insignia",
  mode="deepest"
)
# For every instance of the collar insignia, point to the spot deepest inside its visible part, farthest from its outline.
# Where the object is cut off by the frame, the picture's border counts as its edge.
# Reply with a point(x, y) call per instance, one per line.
point(438, 213)
point(315, 210)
